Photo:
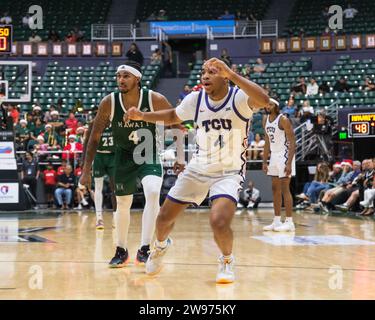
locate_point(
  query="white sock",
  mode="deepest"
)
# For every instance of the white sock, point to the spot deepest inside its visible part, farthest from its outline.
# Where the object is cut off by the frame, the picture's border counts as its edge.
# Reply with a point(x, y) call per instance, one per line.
point(122, 215)
point(151, 189)
point(289, 219)
point(277, 219)
point(161, 244)
point(99, 197)
point(228, 258)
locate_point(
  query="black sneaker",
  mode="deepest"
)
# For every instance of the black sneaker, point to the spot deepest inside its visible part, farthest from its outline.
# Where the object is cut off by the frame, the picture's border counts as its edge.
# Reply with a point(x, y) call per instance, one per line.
point(142, 255)
point(120, 259)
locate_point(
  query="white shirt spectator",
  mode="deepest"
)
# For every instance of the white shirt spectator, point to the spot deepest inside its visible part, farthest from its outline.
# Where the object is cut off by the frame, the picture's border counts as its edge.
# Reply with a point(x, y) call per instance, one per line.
point(259, 144)
point(6, 20)
point(350, 13)
point(312, 89)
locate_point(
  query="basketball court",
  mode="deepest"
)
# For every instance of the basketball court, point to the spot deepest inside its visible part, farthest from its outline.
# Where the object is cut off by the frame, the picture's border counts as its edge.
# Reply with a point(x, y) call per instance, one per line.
point(57, 255)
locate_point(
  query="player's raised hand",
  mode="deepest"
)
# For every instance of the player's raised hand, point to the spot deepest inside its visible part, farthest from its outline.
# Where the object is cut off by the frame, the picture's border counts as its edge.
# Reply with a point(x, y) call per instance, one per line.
point(218, 67)
point(133, 114)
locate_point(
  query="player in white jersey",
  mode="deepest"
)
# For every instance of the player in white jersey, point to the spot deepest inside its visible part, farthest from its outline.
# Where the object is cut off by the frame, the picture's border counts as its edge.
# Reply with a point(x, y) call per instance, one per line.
point(280, 142)
point(222, 116)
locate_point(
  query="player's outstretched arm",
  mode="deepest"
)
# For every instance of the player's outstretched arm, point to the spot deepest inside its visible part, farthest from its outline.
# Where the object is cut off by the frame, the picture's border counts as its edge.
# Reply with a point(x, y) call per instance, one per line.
point(168, 117)
point(258, 98)
point(101, 121)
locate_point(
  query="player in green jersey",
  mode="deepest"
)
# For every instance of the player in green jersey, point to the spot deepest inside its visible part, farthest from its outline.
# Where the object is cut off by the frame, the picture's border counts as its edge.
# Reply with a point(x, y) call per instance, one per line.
point(136, 156)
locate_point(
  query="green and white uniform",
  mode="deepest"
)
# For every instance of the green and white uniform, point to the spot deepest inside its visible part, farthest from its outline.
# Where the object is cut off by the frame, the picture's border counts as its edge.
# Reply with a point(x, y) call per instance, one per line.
point(104, 162)
point(136, 147)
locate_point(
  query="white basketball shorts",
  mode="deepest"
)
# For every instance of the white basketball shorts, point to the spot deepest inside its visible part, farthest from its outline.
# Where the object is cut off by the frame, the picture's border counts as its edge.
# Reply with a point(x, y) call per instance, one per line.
point(192, 188)
point(277, 164)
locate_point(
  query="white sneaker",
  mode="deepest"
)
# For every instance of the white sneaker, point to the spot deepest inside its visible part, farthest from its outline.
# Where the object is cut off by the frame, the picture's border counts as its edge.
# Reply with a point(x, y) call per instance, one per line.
point(272, 226)
point(250, 205)
point(154, 263)
point(286, 227)
point(84, 202)
point(239, 205)
point(225, 274)
point(364, 204)
point(79, 207)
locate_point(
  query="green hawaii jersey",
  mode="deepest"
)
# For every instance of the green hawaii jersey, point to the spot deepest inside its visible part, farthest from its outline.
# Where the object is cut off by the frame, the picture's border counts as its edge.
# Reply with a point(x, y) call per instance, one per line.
point(129, 135)
point(106, 142)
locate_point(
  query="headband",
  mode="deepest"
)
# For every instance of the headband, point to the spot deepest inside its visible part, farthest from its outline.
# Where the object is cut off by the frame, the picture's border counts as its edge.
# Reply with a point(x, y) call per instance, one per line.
point(129, 69)
point(274, 101)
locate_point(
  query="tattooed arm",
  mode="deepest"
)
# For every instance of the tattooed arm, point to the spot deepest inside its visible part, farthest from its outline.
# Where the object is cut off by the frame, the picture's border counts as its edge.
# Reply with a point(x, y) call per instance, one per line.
point(101, 121)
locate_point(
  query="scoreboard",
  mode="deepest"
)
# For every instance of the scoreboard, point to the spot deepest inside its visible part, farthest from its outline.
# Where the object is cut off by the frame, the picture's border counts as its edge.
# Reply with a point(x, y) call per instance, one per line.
point(361, 125)
point(6, 38)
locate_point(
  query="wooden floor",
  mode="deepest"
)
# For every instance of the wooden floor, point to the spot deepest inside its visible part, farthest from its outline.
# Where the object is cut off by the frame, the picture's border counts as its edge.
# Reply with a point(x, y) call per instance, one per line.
point(313, 263)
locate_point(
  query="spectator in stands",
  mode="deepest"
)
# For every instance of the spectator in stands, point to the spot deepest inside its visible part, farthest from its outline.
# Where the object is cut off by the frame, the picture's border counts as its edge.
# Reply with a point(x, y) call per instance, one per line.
point(329, 32)
point(240, 15)
point(325, 13)
point(301, 32)
point(56, 122)
point(227, 16)
point(250, 197)
point(300, 87)
point(38, 128)
point(368, 202)
point(30, 121)
point(324, 88)
point(83, 195)
point(71, 122)
point(79, 34)
point(47, 114)
point(71, 37)
point(22, 134)
point(30, 172)
point(184, 93)
point(311, 190)
point(349, 12)
point(156, 56)
point(41, 148)
point(61, 168)
point(50, 136)
point(162, 16)
point(290, 109)
point(312, 88)
point(14, 113)
point(134, 54)
point(6, 18)
point(80, 135)
point(307, 115)
point(78, 169)
point(225, 57)
point(73, 149)
point(369, 85)
point(256, 148)
point(54, 36)
point(37, 112)
point(50, 181)
point(234, 68)
point(259, 67)
point(250, 16)
point(34, 37)
point(167, 55)
point(65, 187)
point(246, 71)
point(341, 85)
point(26, 19)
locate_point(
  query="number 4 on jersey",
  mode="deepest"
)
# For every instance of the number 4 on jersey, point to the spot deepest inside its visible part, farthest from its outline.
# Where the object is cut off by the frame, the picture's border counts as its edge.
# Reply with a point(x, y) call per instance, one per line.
point(134, 137)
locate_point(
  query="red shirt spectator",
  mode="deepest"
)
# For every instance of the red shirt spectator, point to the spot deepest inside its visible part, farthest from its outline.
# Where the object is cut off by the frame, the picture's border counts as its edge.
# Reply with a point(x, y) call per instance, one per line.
point(71, 122)
point(78, 171)
point(50, 177)
point(72, 147)
point(13, 112)
point(61, 169)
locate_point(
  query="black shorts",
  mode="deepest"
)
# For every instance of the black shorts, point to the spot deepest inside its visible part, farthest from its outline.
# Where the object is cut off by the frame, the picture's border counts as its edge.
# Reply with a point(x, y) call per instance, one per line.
point(49, 189)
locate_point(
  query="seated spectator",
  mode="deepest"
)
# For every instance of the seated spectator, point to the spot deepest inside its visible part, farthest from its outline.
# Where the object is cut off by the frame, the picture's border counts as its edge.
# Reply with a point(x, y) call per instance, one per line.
point(307, 115)
point(6, 19)
point(246, 72)
point(249, 198)
point(71, 122)
point(41, 148)
point(312, 88)
point(47, 114)
point(79, 34)
point(312, 189)
point(341, 86)
point(30, 121)
point(61, 169)
point(235, 68)
point(184, 93)
point(162, 16)
point(225, 57)
point(56, 122)
point(53, 36)
point(73, 149)
point(80, 135)
point(50, 136)
point(368, 202)
point(290, 109)
point(34, 37)
point(349, 12)
point(78, 169)
point(259, 67)
point(300, 87)
point(50, 181)
point(22, 134)
point(37, 112)
point(328, 32)
point(156, 57)
point(227, 16)
point(30, 172)
point(83, 197)
point(324, 88)
point(71, 37)
point(65, 187)
point(134, 54)
point(26, 19)
point(38, 128)
point(301, 33)
point(14, 113)
point(369, 85)
point(256, 148)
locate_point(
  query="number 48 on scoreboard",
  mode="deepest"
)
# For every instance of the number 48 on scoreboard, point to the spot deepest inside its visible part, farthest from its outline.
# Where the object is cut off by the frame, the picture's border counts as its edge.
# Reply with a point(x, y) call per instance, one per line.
point(5, 39)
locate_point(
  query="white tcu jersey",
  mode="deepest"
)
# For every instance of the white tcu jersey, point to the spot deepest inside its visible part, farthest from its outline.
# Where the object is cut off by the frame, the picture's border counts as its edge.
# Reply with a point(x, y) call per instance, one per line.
point(276, 136)
point(221, 137)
